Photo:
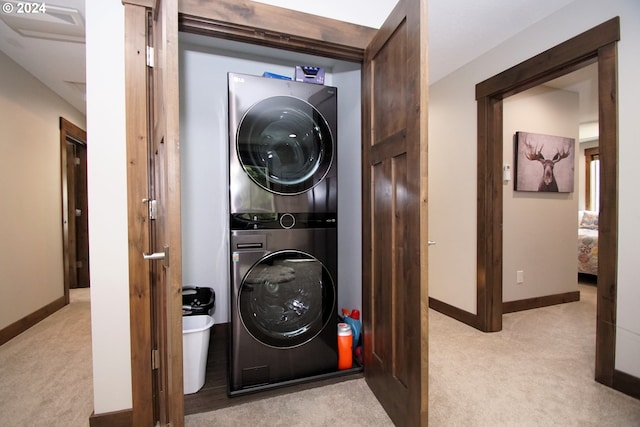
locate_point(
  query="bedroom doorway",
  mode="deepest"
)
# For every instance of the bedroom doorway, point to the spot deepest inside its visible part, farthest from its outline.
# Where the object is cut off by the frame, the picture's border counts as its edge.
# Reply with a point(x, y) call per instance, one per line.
point(546, 221)
point(597, 45)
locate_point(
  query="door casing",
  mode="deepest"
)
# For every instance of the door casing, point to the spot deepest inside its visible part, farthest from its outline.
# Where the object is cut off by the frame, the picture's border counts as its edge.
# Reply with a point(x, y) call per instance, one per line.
point(595, 45)
point(236, 20)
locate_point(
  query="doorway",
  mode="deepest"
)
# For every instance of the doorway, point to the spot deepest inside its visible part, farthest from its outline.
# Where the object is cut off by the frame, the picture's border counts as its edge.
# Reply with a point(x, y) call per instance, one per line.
point(539, 227)
point(239, 25)
point(597, 45)
point(75, 224)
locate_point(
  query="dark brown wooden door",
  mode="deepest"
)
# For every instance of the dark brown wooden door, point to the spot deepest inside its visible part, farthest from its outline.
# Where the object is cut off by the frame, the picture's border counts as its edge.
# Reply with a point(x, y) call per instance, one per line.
point(78, 215)
point(70, 215)
point(75, 226)
point(395, 299)
point(164, 188)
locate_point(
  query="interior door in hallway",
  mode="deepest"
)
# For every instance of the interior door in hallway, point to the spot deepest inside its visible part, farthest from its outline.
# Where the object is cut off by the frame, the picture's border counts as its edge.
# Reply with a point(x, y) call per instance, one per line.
point(75, 224)
point(395, 297)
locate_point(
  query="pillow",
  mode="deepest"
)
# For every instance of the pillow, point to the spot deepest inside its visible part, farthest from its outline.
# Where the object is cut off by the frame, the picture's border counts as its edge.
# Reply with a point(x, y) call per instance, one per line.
point(589, 220)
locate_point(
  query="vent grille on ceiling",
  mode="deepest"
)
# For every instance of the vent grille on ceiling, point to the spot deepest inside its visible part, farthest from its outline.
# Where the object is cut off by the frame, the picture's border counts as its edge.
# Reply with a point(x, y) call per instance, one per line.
point(58, 23)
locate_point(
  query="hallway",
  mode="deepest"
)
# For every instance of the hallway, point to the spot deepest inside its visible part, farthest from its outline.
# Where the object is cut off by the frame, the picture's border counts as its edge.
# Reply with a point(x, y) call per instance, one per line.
point(537, 372)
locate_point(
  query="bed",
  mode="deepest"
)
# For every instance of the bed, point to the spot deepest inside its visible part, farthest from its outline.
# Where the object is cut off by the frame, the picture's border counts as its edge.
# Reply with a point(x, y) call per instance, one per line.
point(588, 242)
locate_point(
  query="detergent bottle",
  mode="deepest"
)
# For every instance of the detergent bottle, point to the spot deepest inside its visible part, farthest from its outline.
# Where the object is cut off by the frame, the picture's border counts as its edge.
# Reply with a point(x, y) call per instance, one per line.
point(352, 318)
point(345, 350)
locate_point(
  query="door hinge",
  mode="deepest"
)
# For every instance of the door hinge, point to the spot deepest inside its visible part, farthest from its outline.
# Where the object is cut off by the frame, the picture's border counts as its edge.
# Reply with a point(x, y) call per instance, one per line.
point(76, 161)
point(153, 209)
point(150, 57)
point(154, 358)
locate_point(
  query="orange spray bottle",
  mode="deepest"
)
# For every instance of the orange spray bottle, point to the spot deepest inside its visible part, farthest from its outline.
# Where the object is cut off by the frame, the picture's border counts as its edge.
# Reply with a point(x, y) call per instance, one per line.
point(345, 343)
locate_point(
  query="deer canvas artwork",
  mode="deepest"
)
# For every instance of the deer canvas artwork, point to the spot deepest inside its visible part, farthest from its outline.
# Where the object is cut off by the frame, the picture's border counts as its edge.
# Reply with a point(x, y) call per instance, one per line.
point(544, 163)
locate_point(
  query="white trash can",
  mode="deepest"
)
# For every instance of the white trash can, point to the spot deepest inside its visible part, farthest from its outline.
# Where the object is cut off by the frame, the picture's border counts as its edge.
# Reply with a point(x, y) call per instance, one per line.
point(195, 347)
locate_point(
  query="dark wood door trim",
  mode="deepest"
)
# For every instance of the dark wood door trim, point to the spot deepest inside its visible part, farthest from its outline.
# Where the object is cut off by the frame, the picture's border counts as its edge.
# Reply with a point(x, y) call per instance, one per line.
point(70, 132)
point(608, 218)
point(597, 44)
point(489, 241)
point(266, 25)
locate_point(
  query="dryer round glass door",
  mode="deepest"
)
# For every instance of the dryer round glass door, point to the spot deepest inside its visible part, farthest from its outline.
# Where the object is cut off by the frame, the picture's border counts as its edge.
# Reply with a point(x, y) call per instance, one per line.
point(286, 299)
point(284, 145)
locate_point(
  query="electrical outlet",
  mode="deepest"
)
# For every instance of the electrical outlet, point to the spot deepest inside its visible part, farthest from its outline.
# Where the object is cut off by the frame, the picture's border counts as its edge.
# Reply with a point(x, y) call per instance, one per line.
point(520, 277)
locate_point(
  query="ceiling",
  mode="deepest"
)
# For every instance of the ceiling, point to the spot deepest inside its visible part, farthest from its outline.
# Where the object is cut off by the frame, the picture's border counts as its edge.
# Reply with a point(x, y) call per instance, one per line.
point(585, 82)
point(51, 46)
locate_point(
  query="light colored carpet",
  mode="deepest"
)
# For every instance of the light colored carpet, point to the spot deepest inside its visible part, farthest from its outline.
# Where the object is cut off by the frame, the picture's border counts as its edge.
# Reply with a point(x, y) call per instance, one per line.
point(46, 372)
point(349, 403)
point(538, 371)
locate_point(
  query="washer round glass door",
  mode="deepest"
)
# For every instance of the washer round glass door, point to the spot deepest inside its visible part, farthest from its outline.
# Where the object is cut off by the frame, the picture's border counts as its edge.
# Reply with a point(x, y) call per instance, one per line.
point(286, 299)
point(284, 145)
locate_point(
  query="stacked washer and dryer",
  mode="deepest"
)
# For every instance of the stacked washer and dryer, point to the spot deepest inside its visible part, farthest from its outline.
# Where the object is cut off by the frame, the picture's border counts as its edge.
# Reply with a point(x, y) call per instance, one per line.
point(283, 231)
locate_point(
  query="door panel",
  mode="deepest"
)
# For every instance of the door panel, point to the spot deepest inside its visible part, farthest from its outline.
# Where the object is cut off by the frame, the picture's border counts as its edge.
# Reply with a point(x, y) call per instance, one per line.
point(390, 65)
point(72, 255)
point(77, 219)
point(164, 187)
point(138, 149)
point(82, 217)
point(395, 297)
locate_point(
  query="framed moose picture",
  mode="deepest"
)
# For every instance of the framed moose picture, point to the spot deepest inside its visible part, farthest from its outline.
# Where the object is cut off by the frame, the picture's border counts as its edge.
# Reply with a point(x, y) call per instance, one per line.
point(544, 163)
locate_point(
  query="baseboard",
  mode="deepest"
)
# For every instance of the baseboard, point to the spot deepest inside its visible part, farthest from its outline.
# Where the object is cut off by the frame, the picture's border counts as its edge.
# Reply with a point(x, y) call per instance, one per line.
point(122, 418)
point(18, 327)
point(454, 312)
point(537, 302)
point(626, 383)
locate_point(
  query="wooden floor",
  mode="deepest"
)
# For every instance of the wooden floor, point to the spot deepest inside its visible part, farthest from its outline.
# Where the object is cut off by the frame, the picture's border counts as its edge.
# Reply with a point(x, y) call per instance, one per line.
point(213, 394)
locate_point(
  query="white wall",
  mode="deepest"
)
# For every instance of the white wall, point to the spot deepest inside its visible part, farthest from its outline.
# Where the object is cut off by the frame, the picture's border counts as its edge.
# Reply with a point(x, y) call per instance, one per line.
point(204, 164)
point(628, 318)
point(107, 186)
point(452, 191)
point(452, 186)
point(540, 229)
point(31, 260)
point(347, 79)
